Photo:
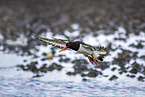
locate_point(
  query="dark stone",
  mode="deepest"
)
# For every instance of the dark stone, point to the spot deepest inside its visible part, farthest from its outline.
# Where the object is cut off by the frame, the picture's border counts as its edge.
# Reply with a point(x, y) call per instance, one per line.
point(54, 66)
point(136, 68)
point(78, 61)
point(64, 59)
point(35, 56)
point(50, 68)
point(105, 75)
point(139, 45)
point(22, 67)
point(122, 70)
point(29, 67)
point(24, 60)
point(84, 79)
point(83, 74)
point(114, 77)
point(43, 59)
point(132, 76)
point(114, 68)
point(143, 57)
point(80, 66)
point(71, 73)
point(93, 73)
point(44, 68)
point(141, 78)
point(37, 76)
point(32, 67)
point(123, 57)
point(103, 65)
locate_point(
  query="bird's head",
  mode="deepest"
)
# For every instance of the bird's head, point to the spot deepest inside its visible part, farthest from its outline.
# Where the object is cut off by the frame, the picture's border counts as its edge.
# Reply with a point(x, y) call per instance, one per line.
point(72, 45)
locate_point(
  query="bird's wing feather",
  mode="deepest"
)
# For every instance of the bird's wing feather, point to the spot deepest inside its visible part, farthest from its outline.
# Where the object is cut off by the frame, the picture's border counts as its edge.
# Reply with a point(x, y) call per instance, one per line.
point(100, 51)
point(54, 42)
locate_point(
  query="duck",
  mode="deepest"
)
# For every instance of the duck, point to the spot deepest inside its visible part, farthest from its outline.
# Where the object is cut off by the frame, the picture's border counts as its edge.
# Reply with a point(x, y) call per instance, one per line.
point(94, 54)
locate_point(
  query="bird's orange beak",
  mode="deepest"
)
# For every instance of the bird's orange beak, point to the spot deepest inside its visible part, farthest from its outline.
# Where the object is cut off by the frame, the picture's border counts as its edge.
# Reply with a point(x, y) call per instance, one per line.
point(63, 49)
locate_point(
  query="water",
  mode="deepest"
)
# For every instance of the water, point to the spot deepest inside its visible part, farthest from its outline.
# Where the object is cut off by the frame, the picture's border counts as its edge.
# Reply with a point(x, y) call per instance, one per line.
point(14, 82)
point(37, 88)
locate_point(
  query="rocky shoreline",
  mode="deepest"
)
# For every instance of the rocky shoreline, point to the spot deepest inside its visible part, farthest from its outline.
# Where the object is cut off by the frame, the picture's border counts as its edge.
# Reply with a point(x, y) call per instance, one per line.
point(19, 19)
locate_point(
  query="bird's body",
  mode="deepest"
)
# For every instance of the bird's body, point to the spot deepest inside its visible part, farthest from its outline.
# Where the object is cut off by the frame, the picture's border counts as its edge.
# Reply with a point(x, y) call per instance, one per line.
point(94, 54)
point(83, 49)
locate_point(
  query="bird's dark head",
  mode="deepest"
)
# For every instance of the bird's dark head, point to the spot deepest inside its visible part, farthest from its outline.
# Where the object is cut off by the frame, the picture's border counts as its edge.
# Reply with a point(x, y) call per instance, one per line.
point(72, 45)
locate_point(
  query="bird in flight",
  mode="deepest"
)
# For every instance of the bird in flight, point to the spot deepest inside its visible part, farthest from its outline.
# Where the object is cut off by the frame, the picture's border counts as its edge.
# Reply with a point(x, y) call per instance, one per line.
point(94, 54)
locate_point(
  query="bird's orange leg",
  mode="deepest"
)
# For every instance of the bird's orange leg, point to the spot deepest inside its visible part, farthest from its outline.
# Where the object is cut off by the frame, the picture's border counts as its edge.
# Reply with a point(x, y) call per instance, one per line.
point(89, 59)
point(94, 60)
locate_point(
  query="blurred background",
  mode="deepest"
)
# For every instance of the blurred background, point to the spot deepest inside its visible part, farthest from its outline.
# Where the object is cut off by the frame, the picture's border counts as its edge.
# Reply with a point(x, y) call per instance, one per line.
point(29, 67)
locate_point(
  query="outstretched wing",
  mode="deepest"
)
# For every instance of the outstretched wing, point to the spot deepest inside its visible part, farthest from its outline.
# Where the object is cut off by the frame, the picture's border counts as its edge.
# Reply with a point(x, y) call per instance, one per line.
point(102, 51)
point(99, 52)
point(54, 42)
point(99, 49)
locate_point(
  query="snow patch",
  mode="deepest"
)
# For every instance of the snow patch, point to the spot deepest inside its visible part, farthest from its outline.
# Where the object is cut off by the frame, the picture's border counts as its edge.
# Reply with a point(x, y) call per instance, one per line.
point(21, 41)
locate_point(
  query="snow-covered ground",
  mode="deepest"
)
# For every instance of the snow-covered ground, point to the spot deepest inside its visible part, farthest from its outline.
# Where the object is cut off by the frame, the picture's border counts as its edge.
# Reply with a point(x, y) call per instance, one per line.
point(58, 82)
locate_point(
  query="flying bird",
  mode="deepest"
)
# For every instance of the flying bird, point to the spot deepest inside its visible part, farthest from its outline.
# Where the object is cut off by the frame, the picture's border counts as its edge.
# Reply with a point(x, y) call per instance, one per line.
point(94, 54)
